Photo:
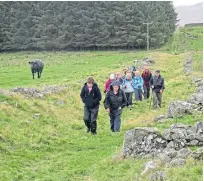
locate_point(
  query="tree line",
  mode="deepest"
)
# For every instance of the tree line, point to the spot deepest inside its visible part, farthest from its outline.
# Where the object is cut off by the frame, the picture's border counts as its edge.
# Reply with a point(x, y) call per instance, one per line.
point(93, 25)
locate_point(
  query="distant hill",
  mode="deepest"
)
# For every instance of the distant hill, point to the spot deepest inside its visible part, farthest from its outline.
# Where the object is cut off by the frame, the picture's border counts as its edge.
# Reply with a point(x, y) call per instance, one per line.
point(190, 14)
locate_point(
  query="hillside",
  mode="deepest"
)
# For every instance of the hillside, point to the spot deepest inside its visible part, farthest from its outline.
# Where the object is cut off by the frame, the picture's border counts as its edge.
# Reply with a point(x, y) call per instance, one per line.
point(45, 139)
point(190, 14)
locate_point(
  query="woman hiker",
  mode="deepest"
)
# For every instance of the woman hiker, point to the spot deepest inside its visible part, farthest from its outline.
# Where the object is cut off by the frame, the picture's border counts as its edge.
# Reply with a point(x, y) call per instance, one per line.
point(114, 102)
point(137, 82)
point(91, 96)
point(128, 89)
point(108, 83)
point(119, 77)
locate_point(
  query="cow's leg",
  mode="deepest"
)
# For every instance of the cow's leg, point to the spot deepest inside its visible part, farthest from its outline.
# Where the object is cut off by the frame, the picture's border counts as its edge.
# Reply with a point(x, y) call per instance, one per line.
point(33, 75)
point(38, 74)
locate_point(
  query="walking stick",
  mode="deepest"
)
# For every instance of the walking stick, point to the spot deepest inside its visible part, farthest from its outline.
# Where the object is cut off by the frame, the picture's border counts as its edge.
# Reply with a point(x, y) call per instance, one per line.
point(150, 100)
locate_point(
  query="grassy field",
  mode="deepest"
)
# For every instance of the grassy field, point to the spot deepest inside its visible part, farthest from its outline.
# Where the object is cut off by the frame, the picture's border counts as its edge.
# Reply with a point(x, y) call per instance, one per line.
point(55, 146)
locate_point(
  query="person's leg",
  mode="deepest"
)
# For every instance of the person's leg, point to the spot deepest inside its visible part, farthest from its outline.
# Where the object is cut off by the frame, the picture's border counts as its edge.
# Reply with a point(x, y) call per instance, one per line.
point(130, 98)
point(145, 92)
point(140, 94)
point(111, 114)
point(159, 97)
point(117, 120)
point(137, 94)
point(155, 100)
point(87, 118)
point(94, 116)
point(127, 96)
point(148, 92)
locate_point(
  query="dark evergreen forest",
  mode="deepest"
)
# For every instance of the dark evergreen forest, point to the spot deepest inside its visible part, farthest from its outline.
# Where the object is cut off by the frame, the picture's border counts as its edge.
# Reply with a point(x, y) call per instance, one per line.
point(84, 25)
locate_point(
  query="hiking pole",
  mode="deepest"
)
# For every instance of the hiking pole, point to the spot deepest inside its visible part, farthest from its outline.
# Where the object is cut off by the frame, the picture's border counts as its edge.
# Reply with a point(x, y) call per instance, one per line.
point(150, 101)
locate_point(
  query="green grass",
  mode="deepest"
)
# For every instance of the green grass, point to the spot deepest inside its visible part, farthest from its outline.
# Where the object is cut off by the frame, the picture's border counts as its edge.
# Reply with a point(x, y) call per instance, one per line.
point(55, 147)
point(185, 39)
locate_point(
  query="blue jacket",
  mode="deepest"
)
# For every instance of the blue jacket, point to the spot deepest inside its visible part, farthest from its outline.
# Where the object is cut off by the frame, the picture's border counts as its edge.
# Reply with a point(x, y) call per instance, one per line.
point(137, 82)
point(127, 86)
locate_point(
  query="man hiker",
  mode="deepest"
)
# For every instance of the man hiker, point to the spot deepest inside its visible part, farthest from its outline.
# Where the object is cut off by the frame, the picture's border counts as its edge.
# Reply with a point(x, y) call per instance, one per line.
point(91, 96)
point(137, 83)
point(146, 75)
point(114, 102)
point(157, 85)
point(128, 89)
point(108, 83)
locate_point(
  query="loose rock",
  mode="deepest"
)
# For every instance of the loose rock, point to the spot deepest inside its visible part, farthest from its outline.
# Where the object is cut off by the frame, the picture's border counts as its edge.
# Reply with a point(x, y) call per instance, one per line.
point(158, 176)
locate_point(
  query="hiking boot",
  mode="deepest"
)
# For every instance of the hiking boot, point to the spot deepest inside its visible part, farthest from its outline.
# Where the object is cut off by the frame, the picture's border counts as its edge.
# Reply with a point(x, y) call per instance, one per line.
point(88, 130)
point(94, 133)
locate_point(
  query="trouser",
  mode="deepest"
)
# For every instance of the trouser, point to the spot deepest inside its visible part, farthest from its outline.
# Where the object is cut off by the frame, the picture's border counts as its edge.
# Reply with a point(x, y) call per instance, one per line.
point(157, 99)
point(115, 119)
point(90, 117)
point(129, 98)
point(146, 92)
point(138, 94)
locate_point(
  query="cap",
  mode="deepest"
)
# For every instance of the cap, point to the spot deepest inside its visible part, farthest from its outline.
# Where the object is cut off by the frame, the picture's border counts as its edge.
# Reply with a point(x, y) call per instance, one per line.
point(112, 76)
point(116, 83)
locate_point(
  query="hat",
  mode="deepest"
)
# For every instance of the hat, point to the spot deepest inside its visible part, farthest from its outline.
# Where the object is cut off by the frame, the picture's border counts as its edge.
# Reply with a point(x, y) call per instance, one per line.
point(133, 68)
point(157, 71)
point(116, 83)
point(112, 76)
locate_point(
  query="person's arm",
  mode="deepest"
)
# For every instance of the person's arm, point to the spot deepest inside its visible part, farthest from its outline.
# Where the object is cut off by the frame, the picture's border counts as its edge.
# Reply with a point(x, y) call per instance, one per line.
point(125, 102)
point(151, 82)
point(141, 83)
point(133, 82)
point(105, 86)
point(82, 94)
point(107, 103)
point(163, 86)
point(98, 96)
point(150, 76)
point(123, 84)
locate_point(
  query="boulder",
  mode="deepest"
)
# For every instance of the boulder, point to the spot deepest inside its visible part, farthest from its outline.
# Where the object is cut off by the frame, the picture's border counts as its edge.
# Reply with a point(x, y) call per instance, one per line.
point(149, 143)
point(164, 158)
point(159, 118)
point(198, 154)
point(196, 98)
point(176, 162)
point(39, 93)
point(141, 141)
point(148, 167)
point(59, 103)
point(188, 66)
point(148, 61)
point(36, 116)
point(184, 153)
point(180, 108)
point(158, 176)
point(172, 153)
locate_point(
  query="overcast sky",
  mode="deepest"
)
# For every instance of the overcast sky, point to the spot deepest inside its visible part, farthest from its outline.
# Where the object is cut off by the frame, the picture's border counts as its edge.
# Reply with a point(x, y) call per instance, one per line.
point(186, 2)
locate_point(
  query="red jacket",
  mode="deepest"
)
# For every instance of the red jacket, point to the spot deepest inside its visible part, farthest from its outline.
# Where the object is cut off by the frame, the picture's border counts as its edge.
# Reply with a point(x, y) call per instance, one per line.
point(107, 85)
point(146, 78)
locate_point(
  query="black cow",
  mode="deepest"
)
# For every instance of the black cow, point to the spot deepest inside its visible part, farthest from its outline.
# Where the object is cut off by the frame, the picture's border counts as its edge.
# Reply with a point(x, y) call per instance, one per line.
point(36, 66)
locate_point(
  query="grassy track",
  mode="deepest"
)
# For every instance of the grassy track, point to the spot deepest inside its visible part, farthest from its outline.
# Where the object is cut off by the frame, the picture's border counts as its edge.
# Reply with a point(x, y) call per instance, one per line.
point(55, 147)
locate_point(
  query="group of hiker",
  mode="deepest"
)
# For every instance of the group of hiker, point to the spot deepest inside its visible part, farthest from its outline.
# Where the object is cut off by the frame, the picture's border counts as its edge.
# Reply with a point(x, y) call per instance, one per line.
point(119, 90)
